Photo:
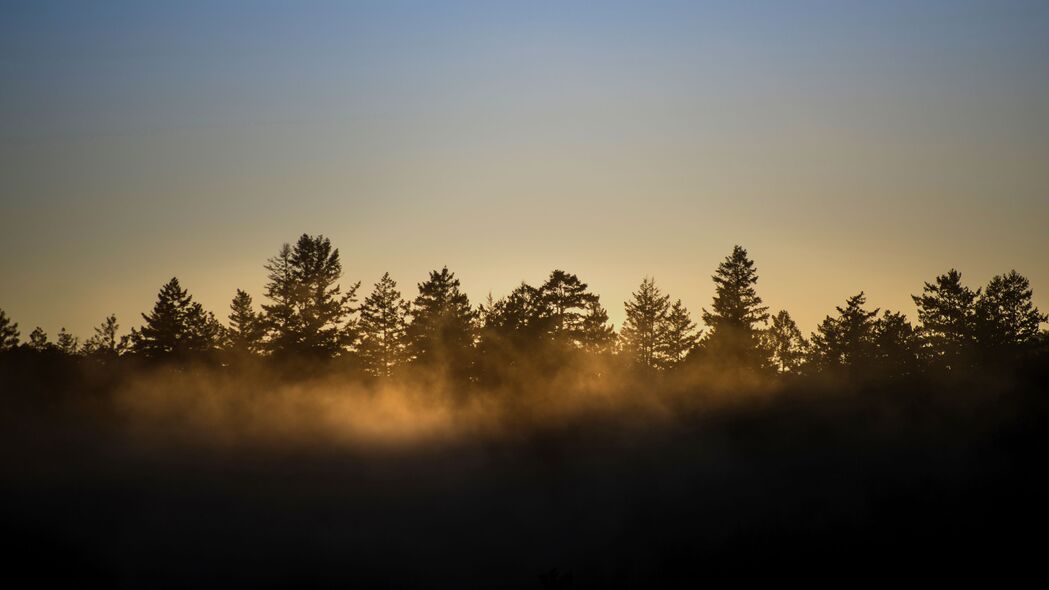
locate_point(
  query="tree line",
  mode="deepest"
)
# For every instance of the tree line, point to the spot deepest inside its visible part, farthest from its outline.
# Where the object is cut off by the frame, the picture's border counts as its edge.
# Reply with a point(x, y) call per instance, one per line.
point(309, 314)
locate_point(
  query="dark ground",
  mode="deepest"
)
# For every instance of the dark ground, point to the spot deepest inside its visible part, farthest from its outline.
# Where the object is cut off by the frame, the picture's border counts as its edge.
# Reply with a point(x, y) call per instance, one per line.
point(905, 484)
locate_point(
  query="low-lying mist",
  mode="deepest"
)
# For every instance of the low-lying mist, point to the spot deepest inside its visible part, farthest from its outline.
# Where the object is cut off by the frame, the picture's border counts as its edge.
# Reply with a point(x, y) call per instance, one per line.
point(265, 476)
point(263, 408)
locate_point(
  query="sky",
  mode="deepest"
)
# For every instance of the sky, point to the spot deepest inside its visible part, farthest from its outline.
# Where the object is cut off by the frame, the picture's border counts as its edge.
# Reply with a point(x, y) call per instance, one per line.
point(847, 145)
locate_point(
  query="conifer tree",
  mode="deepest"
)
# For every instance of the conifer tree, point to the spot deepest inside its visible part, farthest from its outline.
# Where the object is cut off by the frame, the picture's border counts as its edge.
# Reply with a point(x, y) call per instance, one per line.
point(565, 301)
point(520, 316)
point(597, 336)
point(177, 326)
point(513, 332)
point(441, 331)
point(246, 329)
point(280, 318)
point(677, 336)
point(67, 343)
point(1007, 319)
point(785, 345)
point(947, 312)
point(38, 340)
point(641, 334)
point(383, 328)
point(8, 332)
point(105, 340)
point(847, 341)
point(897, 350)
point(309, 313)
point(736, 313)
point(490, 344)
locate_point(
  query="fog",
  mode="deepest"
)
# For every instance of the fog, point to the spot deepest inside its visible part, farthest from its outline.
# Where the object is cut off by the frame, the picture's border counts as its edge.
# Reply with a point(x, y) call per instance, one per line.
point(263, 477)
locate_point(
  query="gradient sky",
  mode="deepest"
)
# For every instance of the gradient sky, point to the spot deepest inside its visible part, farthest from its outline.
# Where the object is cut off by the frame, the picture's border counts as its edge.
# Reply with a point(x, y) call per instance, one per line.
point(846, 145)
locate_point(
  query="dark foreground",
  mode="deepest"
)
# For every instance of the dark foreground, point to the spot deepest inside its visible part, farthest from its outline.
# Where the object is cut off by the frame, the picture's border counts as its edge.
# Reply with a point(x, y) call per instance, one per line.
point(900, 484)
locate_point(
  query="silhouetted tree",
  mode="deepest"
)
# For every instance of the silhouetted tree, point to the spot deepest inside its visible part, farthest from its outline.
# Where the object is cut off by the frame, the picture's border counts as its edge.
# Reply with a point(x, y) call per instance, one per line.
point(785, 345)
point(641, 334)
point(947, 312)
point(246, 329)
point(177, 326)
point(309, 313)
point(736, 313)
point(566, 302)
point(513, 334)
point(383, 329)
point(677, 336)
point(1007, 320)
point(441, 332)
point(845, 342)
point(896, 344)
point(596, 335)
point(67, 343)
point(520, 316)
point(8, 332)
point(38, 340)
point(656, 334)
point(280, 319)
point(105, 340)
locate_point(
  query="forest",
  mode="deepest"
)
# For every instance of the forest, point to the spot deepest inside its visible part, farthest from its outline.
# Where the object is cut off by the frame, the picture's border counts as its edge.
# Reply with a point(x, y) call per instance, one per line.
point(328, 437)
point(309, 317)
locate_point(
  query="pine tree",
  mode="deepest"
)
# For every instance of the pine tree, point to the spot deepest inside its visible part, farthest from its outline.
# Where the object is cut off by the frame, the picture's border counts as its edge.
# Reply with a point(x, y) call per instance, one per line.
point(38, 340)
point(513, 333)
point(441, 332)
point(1006, 317)
point(246, 329)
point(67, 343)
point(785, 345)
point(597, 336)
point(177, 326)
point(280, 318)
point(641, 334)
point(677, 336)
point(565, 300)
point(383, 329)
point(105, 340)
point(947, 312)
point(8, 333)
point(897, 349)
point(520, 316)
point(309, 313)
point(736, 312)
point(847, 341)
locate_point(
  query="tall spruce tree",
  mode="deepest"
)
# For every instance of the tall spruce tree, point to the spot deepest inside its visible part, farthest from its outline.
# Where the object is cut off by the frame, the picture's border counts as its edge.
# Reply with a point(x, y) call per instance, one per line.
point(641, 334)
point(845, 342)
point(441, 331)
point(677, 336)
point(1007, 320)
point(280, 319)
point(177, 326)
point(736, 314)
point(246, 330)
point(309, 314)
point(383, 329)
point(784, 343)
point(8, 332)
point(596, 335)
point(947, 312)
